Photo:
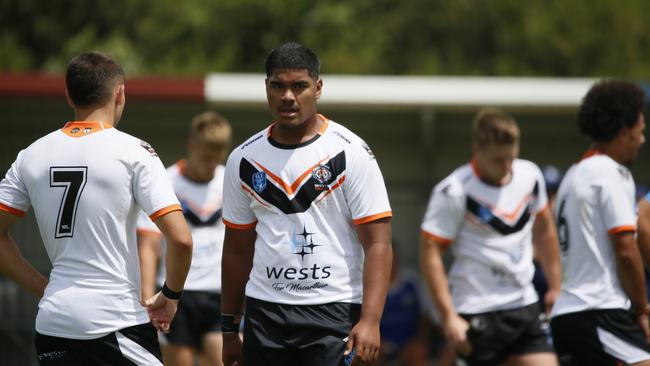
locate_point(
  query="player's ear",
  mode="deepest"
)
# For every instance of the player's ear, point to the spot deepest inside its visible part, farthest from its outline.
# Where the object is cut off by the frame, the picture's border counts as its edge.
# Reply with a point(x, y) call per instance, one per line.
point(120, 96)
point(319, 88)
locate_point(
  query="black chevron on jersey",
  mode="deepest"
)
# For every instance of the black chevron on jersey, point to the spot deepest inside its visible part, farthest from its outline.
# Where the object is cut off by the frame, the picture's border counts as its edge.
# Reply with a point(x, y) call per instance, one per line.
point(304, 197)
point(194, 219)
point(488, 217)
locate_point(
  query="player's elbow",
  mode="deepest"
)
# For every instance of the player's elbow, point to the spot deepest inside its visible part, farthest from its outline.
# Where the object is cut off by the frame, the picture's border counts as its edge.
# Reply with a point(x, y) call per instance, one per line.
point(182, 243)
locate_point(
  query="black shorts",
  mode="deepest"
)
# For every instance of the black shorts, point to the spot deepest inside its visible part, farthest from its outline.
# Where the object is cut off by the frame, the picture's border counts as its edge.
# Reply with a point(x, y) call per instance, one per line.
point(198, 313)
point(136, 345)
point(496, 335)
point(278, 334)
point(599, 337)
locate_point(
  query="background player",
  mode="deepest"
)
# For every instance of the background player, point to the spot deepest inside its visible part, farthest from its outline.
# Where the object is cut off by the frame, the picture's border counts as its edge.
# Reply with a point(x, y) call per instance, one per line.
point(304, 204)
point(601, 315)
point(487, 212)
point(87, 182)
point(198, 183)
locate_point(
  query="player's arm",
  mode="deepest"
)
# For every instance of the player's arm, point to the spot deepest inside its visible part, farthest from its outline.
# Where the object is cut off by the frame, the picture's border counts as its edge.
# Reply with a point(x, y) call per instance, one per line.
point(630, 273)
point(375, 238)
point(178, 258)
point(643, 227)
point(236, 265)
point(433, 270)
point(149, 252)
point(548, 250)
point(13, 264)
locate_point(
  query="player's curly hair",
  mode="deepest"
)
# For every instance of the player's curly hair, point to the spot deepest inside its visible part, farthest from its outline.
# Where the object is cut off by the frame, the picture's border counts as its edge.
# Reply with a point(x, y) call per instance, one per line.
point(293, 56)
point(609, 106)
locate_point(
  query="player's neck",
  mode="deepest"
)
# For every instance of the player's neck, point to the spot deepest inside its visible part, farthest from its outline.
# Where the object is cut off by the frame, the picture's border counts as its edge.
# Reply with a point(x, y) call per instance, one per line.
point(612, 150)
point(298, 134)
point(95, 114)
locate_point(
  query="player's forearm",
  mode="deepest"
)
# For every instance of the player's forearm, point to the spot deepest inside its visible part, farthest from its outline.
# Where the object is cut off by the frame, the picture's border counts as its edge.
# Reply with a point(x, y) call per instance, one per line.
point(148, 266)
point(630, 271)
point(433, 270)
point(548, 248)
point(376, 279)
point(549, 257)
point(643, 234)
point(14, 266)
point(235, 269)
point(177, 262)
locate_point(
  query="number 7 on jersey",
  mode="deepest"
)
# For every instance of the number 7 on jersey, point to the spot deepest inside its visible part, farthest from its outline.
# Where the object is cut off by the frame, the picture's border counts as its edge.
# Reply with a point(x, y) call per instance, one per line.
point(73, 180)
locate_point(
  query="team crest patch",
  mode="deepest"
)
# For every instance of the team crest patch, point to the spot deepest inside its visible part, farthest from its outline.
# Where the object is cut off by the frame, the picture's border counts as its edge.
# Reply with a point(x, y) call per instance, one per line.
point(323, 175)
point(259, 181)
point(145, 145)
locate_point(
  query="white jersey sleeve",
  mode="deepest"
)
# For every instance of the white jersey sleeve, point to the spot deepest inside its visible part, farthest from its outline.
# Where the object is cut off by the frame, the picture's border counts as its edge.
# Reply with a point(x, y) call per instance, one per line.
point(618, 213)
point(364, 187)
point(237, 212)
point(146, 225)
point(151, 186)
point(444, 215)
point(14, 197)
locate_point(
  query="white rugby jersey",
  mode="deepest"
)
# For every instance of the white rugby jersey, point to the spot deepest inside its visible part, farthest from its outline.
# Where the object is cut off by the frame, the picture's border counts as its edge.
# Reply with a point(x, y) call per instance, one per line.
point(304, 201)
point(87, 182)
point(201, 203)
point(595, 199)
point(491, 231)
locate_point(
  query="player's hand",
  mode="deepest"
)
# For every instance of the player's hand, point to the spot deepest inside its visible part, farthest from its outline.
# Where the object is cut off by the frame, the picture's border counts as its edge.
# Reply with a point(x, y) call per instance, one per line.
point(161, 311)
point(365, 339)
point(455, 329)
point(231, 352)
point(549, 300)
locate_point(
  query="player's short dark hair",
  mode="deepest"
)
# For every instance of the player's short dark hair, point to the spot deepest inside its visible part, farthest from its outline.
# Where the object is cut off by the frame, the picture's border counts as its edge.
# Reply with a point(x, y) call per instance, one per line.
point(293, 56)
point(90, 78)
point(609, 106)
point(494, 126)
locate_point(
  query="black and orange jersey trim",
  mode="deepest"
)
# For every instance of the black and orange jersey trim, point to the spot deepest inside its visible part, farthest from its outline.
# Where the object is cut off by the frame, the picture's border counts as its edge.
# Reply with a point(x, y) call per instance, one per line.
point(297, 197)
point(193, 219)
point(487, 216)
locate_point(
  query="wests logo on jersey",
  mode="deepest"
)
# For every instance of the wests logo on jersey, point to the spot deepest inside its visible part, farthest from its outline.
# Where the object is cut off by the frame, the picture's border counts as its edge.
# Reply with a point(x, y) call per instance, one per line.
point(302, 244)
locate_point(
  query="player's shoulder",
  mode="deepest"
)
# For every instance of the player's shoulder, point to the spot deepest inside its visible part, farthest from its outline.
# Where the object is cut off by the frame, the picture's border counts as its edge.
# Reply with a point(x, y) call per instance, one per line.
point(602, 168)
point(346, 139)
point(250, 144)
point(132, 144)
point(456, 182)
point(527, 168)
point(525, 164)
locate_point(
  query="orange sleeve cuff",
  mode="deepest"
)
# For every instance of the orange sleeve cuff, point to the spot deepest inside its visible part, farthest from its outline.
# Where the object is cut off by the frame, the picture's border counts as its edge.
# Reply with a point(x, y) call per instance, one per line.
point(621, 229)
point(11, 210)
point(375, 217)
point(239, 226)
point(164, 211)
point(438, 239)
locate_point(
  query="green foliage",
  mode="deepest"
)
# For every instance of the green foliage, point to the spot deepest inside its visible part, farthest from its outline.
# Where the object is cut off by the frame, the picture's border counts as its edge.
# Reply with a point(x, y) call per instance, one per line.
point(427, 37)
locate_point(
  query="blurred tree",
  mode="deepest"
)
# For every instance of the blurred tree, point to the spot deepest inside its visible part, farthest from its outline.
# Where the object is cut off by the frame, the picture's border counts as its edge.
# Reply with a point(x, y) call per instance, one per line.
point(430, 37)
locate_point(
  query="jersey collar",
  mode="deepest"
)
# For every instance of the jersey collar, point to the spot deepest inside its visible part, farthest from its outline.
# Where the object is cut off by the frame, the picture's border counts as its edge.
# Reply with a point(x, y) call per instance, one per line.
point(84, 128)
point(320, 133)
point(589, 153)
